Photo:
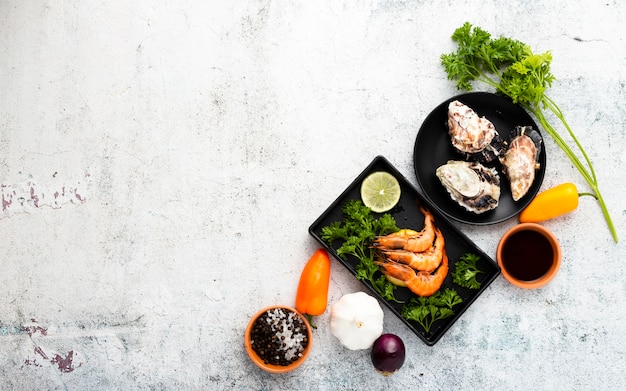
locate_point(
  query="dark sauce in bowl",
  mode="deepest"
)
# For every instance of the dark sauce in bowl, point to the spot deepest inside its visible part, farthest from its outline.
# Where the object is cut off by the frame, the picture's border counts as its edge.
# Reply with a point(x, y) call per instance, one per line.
point(527, 255)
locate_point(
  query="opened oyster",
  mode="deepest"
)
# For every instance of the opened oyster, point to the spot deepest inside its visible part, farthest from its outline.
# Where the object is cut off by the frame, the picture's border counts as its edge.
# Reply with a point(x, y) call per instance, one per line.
point(521, 160)
point(472, 185)
point(473, 136)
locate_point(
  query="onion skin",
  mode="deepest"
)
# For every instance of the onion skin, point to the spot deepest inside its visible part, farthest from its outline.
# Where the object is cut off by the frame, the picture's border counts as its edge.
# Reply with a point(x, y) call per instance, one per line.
point(388, 354)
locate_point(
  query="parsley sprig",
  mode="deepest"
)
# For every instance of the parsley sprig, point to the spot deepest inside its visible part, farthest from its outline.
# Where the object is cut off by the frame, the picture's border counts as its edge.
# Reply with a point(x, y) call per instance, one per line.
point(357, 232)
point(466, 271)
point(511, 67)
point(427, 310)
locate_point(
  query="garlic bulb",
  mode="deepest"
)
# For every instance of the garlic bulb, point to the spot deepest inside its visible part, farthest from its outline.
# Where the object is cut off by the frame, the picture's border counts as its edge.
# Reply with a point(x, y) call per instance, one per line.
point(356, 320)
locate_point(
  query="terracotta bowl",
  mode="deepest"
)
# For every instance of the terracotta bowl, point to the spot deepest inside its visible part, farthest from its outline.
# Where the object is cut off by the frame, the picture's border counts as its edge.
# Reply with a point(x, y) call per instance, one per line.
point(540, 243)
point(254, 356)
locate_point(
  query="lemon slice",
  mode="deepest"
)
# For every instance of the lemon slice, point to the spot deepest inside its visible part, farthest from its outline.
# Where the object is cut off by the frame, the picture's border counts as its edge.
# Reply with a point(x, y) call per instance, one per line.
point(395, 281)
point(380, 191)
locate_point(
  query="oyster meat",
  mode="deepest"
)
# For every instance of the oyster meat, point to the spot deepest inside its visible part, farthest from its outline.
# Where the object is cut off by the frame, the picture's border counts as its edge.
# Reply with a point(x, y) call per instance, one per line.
point(473, 136)
point(521, 159)
point(472, 185)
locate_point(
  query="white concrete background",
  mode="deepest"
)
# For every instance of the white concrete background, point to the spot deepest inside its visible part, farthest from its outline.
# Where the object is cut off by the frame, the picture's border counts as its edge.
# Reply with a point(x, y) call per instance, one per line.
point(197, 141)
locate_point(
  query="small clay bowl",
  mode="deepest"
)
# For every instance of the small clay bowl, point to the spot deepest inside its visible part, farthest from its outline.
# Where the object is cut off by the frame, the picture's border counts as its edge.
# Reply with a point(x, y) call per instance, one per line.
point(529, 255)
point(272, 368)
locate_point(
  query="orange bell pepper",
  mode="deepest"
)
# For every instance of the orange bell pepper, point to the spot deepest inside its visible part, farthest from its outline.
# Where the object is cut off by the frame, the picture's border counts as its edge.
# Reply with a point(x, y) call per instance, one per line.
point(312, 296)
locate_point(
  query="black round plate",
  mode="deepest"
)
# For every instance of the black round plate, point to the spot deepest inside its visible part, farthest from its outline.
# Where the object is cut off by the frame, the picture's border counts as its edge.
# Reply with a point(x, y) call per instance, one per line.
point(433, 149)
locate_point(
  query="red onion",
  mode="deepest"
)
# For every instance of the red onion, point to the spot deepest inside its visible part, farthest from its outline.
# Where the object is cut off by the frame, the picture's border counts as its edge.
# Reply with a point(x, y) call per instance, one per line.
point(388, 354)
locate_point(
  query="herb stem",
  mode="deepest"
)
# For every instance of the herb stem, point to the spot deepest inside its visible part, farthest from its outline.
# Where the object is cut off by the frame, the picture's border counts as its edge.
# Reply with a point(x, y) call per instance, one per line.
point(605, 211)
point(557, 111)
point(588, 175)
point(560, 142)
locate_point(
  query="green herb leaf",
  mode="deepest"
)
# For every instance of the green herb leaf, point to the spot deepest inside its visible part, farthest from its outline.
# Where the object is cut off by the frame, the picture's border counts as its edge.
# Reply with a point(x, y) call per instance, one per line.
point(427, 310)
point(356, 232)
point(466, 271)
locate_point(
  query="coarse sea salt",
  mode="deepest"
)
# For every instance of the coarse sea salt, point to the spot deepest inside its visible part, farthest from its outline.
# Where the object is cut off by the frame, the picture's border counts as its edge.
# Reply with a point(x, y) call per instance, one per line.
point(291, 337)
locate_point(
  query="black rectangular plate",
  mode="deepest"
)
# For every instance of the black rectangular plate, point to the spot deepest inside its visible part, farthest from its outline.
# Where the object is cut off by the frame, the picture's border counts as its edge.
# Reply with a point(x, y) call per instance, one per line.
point(407, 215)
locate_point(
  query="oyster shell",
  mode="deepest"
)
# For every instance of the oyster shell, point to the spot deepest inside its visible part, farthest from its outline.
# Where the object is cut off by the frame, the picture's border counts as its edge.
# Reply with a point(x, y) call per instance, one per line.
point(472, 185)
point(473, 136)
point(521, 159)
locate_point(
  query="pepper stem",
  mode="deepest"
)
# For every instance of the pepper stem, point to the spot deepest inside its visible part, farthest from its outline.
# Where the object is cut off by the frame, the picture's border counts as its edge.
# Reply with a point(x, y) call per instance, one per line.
point(588, 194)
point(310, 319)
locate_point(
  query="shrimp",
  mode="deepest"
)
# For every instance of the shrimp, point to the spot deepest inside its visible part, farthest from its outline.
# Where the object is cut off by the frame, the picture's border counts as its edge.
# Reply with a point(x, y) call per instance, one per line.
point(426, 261)
point(421, 283)
point(408, 239)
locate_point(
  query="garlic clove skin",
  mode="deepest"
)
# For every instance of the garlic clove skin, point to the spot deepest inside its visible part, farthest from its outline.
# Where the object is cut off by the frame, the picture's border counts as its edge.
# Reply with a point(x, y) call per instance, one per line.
point(356, 320)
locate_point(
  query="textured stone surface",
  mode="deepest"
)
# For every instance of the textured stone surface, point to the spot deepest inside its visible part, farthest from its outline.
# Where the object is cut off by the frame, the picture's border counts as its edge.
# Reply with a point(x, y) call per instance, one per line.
point(191, 144)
